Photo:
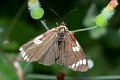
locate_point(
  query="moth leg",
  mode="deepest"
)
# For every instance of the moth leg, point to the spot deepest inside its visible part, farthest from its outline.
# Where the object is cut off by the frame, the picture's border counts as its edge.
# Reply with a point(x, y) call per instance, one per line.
point(44, 24)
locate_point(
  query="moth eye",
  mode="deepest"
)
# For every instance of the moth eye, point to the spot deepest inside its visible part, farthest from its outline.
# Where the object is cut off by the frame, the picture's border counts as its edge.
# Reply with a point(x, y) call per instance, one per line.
point(36, 12)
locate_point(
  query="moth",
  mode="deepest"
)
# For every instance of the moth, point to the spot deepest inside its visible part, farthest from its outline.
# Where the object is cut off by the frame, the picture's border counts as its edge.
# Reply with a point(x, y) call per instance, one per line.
point(57, 45)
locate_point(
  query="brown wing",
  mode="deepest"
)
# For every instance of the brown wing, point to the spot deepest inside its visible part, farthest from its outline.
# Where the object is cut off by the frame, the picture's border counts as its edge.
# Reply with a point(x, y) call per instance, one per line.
point(51, 55)
point(72, 55)
point(37, 47)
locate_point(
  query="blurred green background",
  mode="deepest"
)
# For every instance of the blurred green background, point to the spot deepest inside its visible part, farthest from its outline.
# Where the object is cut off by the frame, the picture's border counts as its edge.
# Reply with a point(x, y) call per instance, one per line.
point(102, 45)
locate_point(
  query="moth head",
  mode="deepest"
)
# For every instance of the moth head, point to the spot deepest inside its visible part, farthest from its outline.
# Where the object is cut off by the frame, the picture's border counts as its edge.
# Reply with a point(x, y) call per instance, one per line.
point(63, 25)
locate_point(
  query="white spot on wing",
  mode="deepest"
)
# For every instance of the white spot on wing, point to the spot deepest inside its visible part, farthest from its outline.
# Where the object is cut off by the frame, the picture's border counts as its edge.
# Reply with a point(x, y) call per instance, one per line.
point(73, 48)
point(38, 42)
point(20, 48)
point(80, 62)
point(73, 65)
point(23, 54)
point(77, 49)
point(37, 39)
point(84, 61)
point(77, 64)
point(25, 57)
point(78, 44)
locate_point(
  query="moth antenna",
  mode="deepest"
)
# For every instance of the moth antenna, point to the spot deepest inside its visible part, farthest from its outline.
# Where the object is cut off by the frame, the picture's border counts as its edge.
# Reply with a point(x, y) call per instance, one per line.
point(69, 13)
point(55, 13)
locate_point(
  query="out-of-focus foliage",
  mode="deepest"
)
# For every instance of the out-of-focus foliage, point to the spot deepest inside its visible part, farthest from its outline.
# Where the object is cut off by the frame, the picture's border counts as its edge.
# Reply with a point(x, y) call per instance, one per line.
point(17, 27)
point(89, 21)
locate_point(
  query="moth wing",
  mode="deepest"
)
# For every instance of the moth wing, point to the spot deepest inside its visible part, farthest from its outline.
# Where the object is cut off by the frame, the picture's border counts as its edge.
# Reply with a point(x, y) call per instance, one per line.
point(33, 50)
point(51, 55)
point(72, 55)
